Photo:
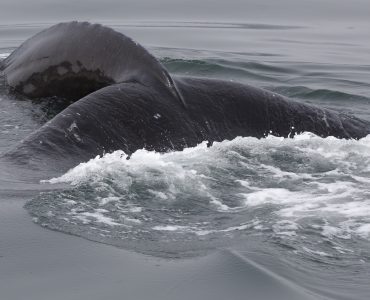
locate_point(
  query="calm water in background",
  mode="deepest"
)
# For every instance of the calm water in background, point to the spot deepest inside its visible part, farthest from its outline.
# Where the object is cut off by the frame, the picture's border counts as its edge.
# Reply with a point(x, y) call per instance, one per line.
point(304, 203)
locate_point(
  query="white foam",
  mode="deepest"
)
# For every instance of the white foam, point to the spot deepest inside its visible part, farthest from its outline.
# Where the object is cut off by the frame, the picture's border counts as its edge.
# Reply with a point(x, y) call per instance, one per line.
point(364, 230)
point(130, 221)
point(315, 252)
point(172, 228)
point(278, 173)
point(332, 231)
point(270, 195)
point(106, 200)
point(97, 217)
point(159, 195)
point(4, 55)
point(292, 179)
point(285, 227)
point(71, 202)
point(218, 203)
point(229, 229)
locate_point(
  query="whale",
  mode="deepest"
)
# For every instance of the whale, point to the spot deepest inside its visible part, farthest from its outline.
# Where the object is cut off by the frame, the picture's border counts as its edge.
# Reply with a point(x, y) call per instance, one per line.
point(71, 60)
point(124, 99)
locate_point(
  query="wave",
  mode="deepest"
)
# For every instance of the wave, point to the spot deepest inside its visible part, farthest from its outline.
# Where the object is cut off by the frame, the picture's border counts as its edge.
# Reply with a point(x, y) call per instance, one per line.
point(299, 192)
point(303, 92)
point(297, 79)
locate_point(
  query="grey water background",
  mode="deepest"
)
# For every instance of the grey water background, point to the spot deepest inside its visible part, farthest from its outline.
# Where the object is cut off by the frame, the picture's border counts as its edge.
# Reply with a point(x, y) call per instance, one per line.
point(299, 207)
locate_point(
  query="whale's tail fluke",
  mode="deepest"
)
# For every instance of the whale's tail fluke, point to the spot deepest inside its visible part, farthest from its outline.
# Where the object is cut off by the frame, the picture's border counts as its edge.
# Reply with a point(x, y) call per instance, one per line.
point(74, 59)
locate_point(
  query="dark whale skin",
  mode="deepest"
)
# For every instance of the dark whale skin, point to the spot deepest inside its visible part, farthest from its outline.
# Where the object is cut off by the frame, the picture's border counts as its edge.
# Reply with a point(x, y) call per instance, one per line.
point(73, 59)
point(140, 107)
point(129, 116)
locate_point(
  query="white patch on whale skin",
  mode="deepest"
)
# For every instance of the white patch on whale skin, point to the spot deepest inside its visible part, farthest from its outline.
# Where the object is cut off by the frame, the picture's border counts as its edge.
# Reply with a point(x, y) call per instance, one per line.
point(77, 137)
point(28, 88)
point(72, 126)
point(62, 70)
point(325, 119)
point(72, 129)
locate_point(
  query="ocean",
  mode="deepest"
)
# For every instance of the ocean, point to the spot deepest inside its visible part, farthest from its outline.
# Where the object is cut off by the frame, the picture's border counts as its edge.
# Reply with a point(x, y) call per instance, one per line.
point(298, 208)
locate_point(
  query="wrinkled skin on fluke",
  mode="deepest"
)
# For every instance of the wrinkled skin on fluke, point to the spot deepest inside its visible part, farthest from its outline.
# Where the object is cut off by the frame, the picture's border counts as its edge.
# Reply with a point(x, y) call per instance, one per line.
point(143, 111)
point(73, 59)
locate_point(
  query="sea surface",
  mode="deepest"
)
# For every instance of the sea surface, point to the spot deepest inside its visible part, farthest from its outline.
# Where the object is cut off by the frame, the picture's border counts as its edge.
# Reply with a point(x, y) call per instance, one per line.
point(300, 206)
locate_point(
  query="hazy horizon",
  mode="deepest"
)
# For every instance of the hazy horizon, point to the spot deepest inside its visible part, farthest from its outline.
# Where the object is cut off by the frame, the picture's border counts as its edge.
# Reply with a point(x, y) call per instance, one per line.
point(266, 11)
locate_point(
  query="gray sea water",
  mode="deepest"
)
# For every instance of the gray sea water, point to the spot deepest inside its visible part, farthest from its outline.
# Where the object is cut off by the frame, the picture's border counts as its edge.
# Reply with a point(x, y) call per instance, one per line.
point(302, 204)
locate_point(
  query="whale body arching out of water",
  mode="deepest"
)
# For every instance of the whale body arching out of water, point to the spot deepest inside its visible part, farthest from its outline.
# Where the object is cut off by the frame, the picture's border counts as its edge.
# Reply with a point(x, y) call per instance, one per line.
point(125, 99)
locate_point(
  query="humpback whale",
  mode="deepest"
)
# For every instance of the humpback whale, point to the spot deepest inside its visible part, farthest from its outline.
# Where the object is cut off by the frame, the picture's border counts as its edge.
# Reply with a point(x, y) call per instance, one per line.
point(125, 99)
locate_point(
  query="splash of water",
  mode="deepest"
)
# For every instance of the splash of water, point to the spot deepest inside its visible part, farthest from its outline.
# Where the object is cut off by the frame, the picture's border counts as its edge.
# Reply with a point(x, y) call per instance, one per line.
point(307, 192)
